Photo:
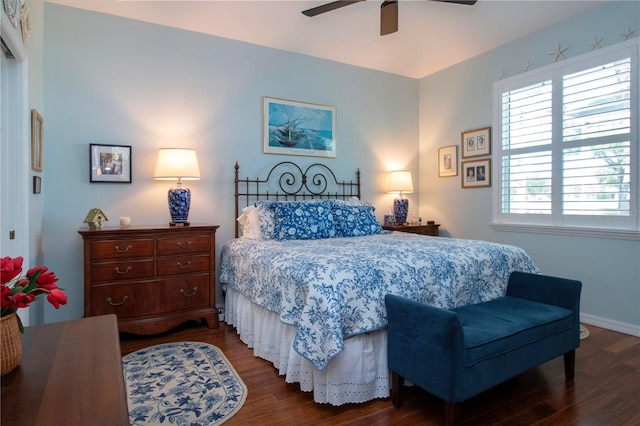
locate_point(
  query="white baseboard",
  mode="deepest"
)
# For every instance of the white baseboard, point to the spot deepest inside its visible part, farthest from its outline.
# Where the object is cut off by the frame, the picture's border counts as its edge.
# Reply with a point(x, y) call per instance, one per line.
point(618, 326)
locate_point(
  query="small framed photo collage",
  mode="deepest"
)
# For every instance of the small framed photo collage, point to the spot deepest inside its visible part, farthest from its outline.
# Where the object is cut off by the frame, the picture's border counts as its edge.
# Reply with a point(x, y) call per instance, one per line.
point(476, 171)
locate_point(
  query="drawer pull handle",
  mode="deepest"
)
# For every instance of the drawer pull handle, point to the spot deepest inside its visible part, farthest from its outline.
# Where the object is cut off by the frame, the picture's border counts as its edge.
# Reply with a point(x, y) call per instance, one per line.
point(111, 302)
point(181, 266)
point(183, 245)
point(184, 293)
point(126, 249)
point(123, 272)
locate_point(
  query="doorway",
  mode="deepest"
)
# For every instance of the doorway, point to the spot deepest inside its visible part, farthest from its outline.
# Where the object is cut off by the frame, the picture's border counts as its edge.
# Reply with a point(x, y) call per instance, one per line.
point(14, 152)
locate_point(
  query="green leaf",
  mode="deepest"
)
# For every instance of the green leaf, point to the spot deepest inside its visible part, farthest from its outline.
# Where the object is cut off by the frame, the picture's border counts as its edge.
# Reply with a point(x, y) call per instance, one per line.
point(20, 326)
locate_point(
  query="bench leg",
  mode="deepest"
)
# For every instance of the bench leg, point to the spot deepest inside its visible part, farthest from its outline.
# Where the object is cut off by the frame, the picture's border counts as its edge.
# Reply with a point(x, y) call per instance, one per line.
point(570, 365)
point(397, 383)
point(451, 413)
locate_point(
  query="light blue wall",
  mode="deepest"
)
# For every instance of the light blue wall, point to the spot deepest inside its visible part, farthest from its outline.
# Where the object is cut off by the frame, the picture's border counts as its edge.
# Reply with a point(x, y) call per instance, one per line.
point(113, 80)
point(460, 98)
point(118, 81)
point(36, 201)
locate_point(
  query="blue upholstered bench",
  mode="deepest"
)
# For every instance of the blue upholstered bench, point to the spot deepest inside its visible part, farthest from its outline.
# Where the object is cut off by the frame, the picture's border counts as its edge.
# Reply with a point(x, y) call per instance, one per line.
point(456, 354)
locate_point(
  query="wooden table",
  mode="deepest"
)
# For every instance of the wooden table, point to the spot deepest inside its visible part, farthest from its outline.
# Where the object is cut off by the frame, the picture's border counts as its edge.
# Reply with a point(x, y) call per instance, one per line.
point(70, 374)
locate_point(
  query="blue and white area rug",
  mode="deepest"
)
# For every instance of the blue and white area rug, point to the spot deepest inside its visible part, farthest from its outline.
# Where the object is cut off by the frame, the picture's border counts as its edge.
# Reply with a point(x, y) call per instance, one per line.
point(584, 332)
point(182, 383)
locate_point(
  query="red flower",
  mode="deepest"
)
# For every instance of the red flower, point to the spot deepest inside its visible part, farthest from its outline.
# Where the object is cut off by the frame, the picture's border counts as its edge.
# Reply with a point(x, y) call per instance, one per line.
point(31, 272)
point(10, 268)
point(47, 281)
point(7, 298)
point(23, 300)
point(57, 298)
point(22, 281)
point(19, 292)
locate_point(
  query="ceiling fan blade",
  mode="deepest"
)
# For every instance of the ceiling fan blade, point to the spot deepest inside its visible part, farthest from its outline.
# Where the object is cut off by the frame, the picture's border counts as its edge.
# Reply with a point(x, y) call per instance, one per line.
point(388, 17)
point(465, 2)
point(328, 7)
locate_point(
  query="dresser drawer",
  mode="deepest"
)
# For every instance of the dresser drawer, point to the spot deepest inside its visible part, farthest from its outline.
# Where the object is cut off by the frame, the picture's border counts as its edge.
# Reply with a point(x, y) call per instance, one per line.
point(121, 249)
point(187, 292)
point(123, 270)
point(128, 300)
point(184, 244)
point(183, 264)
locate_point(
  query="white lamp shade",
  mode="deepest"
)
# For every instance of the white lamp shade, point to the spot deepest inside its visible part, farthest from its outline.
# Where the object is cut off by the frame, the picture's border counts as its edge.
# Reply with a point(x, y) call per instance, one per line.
point(400, 182)
point(177, 164)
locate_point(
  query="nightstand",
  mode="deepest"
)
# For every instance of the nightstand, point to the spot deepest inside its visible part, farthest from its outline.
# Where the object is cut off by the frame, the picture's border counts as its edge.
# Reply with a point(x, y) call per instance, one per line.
point(415, 229)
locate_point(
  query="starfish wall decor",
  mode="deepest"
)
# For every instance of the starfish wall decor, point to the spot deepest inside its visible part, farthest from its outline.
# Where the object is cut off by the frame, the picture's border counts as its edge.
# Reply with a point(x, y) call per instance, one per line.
point(528, 66)
point(558, 53)
point(596, 43)
point(627, 35)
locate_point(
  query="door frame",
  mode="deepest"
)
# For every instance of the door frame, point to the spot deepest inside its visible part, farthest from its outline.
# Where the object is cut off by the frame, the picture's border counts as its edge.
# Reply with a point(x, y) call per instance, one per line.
point(15, 113)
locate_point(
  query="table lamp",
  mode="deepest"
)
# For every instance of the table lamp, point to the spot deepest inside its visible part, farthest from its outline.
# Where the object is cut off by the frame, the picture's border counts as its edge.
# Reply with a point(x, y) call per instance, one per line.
point(178, 164)
point(400, 183)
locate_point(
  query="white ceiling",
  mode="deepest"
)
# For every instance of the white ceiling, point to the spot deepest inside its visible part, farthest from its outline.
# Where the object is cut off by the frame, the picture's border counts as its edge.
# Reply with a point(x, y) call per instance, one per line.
point(432, 35)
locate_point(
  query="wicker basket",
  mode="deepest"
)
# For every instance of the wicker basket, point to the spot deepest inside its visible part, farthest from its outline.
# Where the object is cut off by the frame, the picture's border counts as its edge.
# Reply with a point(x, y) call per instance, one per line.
point(10, 344)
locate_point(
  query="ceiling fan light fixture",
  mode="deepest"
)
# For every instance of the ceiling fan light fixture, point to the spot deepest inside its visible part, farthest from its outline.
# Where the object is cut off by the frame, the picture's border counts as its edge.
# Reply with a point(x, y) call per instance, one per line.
point(388, 17)
point(388, 11)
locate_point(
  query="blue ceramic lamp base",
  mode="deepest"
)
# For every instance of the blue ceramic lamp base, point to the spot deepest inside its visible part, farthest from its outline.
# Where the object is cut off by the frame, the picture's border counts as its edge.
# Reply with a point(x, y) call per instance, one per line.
point(401, 209)
point(179, 203)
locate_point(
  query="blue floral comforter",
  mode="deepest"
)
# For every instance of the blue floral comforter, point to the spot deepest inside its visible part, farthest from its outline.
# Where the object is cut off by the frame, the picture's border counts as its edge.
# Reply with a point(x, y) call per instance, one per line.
point(330, 289)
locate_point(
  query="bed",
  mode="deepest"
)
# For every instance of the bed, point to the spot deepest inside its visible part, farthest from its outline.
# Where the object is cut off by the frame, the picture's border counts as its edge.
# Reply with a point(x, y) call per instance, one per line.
point(306, 275)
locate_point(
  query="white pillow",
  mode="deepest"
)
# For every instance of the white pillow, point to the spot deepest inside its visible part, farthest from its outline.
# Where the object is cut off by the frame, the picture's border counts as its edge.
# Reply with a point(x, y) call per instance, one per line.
point(249, 222)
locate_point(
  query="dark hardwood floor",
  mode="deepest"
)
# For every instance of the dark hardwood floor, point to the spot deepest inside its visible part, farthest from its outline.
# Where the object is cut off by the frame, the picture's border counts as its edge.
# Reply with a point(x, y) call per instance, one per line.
point(606, 390)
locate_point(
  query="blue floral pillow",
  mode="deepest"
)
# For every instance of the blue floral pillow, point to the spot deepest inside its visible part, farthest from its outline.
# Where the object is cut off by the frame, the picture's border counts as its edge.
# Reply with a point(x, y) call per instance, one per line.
point(266, 211)
point(303, 221)
point(355, 220)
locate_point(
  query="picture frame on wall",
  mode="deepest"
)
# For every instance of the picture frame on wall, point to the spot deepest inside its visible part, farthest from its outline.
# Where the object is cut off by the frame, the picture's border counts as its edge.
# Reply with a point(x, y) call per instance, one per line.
point(110, 163)
point(299, 128)
point(476, 143)
point(476, 174)
point(448, 161)
point(37, 140)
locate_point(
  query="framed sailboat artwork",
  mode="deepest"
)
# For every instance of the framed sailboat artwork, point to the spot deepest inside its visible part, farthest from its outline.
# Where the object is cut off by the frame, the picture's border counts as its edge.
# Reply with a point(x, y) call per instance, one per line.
point(299, 128)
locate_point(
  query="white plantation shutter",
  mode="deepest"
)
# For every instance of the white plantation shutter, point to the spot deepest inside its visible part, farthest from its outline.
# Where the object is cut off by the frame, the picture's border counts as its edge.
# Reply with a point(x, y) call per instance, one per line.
point(596, 133)
point(567, 143)
point(526, 148)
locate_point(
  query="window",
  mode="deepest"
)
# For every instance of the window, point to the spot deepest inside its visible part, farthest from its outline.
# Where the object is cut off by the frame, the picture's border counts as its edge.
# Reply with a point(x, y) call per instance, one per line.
point(567, 143)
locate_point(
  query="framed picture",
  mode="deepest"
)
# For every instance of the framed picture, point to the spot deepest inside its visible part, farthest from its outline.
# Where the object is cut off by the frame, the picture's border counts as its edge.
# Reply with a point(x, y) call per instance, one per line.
point(298, 128)
point(37, 136)
point(476, 174)
point(448, 161)
point(476, 143)
point(37, 184)
point(110, 163)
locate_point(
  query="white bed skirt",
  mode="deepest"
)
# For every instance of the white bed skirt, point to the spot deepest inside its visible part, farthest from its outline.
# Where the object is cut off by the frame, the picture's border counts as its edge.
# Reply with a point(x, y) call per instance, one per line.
point(357, 374)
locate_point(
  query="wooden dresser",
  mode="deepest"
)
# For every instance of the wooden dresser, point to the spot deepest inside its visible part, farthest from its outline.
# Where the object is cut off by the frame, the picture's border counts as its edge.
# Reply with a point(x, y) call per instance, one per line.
point(153, 278)
point(415, 229)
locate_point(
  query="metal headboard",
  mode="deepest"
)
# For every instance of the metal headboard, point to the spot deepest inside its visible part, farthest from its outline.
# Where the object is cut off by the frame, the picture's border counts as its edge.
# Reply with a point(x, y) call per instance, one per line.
point(288, 181)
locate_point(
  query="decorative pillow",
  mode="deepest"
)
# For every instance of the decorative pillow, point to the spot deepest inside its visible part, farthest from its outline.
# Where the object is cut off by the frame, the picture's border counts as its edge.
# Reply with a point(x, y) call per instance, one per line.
point(266, 214)
point(303, 221)
point(355, 220)
point(249, 222)
point(266, 211)
point(351, 201)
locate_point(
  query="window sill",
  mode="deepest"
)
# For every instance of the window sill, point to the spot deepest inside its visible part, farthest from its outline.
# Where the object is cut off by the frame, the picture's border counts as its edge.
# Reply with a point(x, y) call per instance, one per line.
point(619, 234)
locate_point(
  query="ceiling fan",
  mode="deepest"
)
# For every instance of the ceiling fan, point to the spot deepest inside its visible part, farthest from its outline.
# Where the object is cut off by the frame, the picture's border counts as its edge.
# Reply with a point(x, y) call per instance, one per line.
point(388, 11)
